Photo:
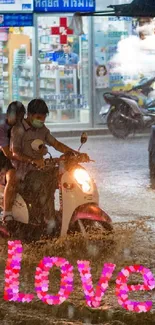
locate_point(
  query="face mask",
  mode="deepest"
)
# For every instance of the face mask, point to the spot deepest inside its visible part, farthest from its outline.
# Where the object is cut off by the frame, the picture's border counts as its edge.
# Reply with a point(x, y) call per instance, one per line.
point(37, 124)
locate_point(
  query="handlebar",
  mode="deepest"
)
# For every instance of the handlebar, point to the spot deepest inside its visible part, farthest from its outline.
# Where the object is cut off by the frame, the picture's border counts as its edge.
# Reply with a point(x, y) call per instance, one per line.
point(68, 157)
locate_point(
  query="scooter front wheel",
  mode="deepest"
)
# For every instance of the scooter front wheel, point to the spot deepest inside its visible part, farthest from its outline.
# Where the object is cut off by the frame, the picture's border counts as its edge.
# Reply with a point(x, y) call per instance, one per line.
point(86, 226)
point(90, 217)
point(97, 226)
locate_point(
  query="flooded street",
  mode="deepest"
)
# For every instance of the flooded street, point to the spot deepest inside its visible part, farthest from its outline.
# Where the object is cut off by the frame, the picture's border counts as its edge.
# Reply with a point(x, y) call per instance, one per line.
point(122, 175)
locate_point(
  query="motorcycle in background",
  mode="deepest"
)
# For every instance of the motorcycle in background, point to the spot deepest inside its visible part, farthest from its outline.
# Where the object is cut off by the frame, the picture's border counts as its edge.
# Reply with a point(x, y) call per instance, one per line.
point(124, 114)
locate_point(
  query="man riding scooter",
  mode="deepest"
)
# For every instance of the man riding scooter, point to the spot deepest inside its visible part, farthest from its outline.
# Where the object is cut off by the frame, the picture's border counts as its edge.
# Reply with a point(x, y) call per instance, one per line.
point(15, 113)
point(22, 137)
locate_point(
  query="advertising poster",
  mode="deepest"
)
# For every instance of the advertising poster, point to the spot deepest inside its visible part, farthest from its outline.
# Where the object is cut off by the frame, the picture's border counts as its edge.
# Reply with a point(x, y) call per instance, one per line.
point(101, 54)
point(109, 32)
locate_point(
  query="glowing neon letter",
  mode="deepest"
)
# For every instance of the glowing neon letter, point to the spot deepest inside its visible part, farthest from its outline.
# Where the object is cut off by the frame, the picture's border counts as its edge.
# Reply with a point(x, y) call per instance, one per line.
point(94, 299)
point(41, 280)
point(11, 289)
point(122, 289)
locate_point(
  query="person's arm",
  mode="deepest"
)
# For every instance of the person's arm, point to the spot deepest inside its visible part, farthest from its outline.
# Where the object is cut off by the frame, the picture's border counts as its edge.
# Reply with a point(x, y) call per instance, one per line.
point(16, 144)
point(16, 148)
point(61, 60)
point(59, 146)
point(7, 152)
point(4, 141)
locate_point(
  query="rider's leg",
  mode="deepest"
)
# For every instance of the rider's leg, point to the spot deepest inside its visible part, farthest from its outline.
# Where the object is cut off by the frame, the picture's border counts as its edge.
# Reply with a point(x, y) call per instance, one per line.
point(10, 191)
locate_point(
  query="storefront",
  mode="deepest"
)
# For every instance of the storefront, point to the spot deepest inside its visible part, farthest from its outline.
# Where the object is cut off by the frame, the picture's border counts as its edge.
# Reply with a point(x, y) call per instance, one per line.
point(63, 70)
point(42, 57)
point(47, 60)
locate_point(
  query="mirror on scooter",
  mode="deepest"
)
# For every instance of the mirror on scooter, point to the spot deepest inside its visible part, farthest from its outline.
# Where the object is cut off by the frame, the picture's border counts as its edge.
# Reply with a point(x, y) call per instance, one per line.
point(84, 138)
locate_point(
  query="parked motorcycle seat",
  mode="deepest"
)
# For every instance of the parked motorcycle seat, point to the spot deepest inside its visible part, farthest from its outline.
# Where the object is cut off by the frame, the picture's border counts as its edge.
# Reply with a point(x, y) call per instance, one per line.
point(126, 95)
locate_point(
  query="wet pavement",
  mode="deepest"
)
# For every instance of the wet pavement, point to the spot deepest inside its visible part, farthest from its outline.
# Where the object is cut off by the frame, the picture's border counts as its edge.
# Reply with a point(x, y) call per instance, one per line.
point(122, 175)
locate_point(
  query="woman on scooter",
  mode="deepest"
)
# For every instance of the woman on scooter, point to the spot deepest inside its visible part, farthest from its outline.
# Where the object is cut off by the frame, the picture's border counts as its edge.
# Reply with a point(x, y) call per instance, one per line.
point(15, 113)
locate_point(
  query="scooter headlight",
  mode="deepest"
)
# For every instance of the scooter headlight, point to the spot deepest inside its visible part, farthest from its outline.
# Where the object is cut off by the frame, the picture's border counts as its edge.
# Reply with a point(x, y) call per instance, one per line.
point(83, 179)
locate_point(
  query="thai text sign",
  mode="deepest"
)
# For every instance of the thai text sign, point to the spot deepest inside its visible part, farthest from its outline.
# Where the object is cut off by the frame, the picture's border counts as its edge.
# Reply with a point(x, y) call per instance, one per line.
point(64, 5)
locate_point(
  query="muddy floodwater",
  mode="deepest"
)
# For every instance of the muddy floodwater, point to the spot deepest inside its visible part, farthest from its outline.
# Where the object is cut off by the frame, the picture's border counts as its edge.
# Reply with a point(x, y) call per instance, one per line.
point(131, 243)
point(124, 186)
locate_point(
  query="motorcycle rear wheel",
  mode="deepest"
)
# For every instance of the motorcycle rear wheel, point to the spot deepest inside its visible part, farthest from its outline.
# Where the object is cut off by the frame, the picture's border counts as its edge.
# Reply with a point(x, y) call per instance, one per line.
point(119, 127)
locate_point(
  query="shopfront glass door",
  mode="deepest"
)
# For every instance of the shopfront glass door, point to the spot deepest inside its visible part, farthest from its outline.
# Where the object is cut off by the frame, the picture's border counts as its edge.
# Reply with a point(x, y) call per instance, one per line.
point(16, 65)
point(62, 71)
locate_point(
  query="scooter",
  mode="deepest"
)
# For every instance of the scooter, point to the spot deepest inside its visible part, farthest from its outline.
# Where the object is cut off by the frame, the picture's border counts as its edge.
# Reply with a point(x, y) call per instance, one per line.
point(78, 197)
point(123, 113)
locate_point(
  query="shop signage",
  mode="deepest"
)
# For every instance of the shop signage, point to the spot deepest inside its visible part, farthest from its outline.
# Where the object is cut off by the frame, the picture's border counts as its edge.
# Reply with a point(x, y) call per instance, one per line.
point(64, 5)
point(16, 5)
point(50, 56)
point(16, 20)
point(7, 2)
point(62, 30)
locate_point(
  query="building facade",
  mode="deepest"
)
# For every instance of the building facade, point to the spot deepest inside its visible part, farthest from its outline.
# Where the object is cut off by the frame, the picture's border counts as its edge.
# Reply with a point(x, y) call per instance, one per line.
point(69, 71)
